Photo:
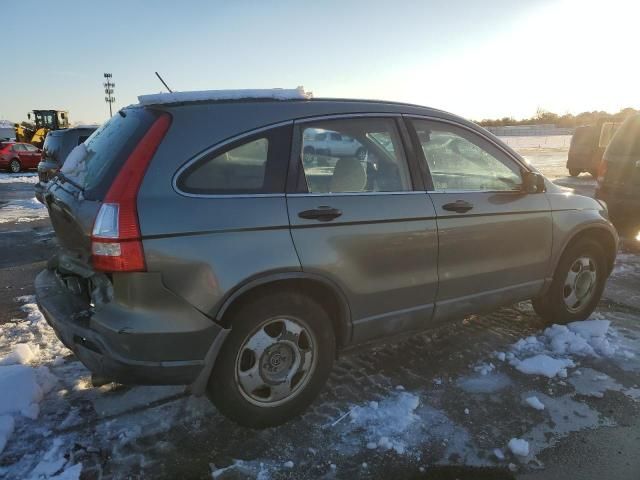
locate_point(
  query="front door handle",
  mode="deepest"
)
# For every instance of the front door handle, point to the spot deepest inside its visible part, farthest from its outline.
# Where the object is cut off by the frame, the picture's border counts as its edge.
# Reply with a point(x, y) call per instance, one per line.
point(459, 206)
point(323, 213)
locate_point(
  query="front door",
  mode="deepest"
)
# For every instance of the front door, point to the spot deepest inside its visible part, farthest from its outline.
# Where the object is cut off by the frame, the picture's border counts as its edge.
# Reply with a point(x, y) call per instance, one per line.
point(495, 240)
point(361, 224)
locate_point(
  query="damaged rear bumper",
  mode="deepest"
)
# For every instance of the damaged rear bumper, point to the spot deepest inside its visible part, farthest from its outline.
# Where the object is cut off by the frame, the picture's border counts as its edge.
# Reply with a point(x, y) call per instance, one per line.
point(158, 341)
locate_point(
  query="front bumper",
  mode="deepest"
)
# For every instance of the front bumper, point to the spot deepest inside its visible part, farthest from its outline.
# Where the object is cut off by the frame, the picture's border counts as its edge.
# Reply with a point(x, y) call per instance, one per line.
point(131, 354)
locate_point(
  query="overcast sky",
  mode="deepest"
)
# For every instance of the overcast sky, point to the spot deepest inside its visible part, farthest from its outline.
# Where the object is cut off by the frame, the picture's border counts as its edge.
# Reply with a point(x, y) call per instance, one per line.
point(490, 58)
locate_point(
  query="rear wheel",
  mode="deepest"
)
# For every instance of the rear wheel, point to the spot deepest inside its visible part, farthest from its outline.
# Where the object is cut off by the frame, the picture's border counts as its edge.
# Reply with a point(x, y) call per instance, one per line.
point(574, 172)
point(577, 284)
point(14, 166)
point(275, 360)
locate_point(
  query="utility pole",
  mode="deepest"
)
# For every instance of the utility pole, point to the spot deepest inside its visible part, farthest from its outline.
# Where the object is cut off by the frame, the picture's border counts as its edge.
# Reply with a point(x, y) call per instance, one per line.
point(108, 90)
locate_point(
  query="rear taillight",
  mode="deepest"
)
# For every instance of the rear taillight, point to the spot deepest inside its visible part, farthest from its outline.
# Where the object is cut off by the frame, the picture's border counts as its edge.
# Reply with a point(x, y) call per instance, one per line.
point(116, 243)
point(602, 171)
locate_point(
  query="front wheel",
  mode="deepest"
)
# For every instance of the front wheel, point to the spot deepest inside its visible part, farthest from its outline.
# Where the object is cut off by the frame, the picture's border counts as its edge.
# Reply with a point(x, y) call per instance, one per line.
point(275, 360)
point(574, 172)
point(15, 166)
point(577, 284)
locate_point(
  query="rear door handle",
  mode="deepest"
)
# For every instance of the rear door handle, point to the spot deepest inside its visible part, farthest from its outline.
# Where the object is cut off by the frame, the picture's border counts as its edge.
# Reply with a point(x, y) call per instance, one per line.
point(323, 213)
point(459, 206)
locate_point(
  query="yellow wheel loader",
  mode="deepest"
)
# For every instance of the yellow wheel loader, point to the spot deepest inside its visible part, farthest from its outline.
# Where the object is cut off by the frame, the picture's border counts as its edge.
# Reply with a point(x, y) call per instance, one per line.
point(43, 122)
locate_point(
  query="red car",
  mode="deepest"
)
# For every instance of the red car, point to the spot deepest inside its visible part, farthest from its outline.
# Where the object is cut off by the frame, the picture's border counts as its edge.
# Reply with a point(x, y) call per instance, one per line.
point(15, 156)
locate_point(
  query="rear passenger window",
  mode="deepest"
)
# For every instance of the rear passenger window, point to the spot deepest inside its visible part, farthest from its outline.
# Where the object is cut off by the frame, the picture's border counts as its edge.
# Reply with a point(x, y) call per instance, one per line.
point(256, 165)
point(354, 155)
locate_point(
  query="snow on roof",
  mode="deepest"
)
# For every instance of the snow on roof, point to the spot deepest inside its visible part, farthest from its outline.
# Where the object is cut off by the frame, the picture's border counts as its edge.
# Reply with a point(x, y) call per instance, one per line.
point(195, 96)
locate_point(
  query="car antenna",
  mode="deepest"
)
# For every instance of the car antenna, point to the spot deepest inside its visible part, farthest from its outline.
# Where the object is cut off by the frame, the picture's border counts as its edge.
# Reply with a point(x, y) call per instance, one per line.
point(163, 82)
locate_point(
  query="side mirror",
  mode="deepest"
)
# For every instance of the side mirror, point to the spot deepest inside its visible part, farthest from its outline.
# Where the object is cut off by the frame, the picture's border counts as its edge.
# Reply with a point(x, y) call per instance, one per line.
point(29, 116)
point(533, 182)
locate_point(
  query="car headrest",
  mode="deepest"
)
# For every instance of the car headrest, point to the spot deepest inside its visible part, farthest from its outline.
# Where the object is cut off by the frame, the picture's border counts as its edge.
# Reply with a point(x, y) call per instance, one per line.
point(348, 176)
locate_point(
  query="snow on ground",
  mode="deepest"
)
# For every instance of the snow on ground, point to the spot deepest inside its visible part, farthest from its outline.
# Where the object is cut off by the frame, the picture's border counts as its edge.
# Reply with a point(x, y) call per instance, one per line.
point(519, 447)
point(383, 425)
point(21, 211)
point(534, 402)
point(528, 142)
point(627, 264)
point(46, 399)
point(53, 420)
point(18, 178)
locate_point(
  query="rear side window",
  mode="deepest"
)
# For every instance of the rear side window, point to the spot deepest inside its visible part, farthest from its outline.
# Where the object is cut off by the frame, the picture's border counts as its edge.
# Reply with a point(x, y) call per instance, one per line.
point(51, 148)
point(253, 165)
point(95, 163)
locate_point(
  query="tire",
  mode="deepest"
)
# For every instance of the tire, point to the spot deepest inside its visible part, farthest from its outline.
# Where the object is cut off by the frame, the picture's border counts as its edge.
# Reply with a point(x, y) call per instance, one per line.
point(574, 172)
point(262, 349)
point(584, 259)
point(593, 173)
point(361, 154)
point(14, 166)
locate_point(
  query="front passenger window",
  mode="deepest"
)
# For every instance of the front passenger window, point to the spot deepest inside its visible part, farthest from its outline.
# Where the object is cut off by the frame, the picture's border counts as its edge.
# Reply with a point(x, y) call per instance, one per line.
point(459, 160)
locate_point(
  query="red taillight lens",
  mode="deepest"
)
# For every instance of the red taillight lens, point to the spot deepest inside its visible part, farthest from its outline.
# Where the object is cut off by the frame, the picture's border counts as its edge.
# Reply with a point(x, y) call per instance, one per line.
point(602, 171)
point(116, 243)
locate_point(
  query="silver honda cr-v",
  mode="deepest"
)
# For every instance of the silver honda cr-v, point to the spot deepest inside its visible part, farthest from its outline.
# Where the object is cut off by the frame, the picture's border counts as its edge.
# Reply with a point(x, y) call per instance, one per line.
point(201, 243)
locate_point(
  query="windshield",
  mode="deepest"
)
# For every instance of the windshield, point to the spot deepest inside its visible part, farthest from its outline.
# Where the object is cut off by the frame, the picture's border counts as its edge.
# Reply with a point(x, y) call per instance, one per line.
point(94, 163)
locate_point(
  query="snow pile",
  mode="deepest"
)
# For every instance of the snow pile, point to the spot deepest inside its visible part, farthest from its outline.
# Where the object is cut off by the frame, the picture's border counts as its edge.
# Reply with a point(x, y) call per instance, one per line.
point(20, 211)
point(18, 178)
point(22, 353)
point(544, 365)
point(25, 346)
point(385, 422)
point(549, 354)
point(484, 368)
point(534, 402)
point(6, 429)
point(55, 465)
point(519, 447)
point(204, 95)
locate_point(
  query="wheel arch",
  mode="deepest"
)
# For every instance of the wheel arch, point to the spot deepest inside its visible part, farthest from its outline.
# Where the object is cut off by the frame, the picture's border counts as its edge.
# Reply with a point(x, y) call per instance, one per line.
point(321, 289)
point(602, 234)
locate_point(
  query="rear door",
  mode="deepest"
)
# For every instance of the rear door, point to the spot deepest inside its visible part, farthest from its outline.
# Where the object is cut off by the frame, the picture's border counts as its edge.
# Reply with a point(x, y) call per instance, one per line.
point(21, 152)
point(495, 240)
point(366, 225)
